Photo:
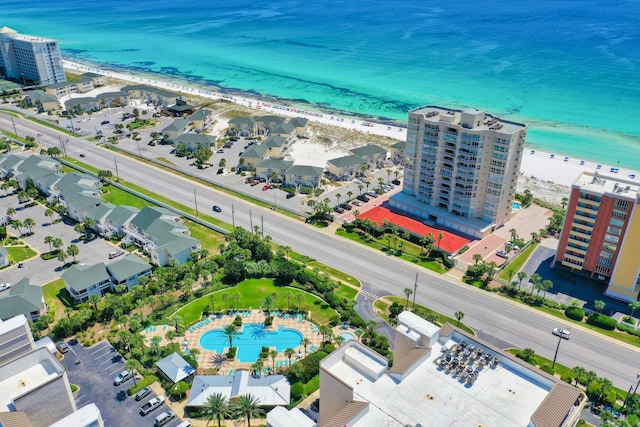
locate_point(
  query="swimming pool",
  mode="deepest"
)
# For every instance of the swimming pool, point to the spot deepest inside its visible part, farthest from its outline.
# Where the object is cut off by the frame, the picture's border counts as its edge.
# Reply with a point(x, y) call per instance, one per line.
point(347, 336)
point(516, 205)
point(251, 340)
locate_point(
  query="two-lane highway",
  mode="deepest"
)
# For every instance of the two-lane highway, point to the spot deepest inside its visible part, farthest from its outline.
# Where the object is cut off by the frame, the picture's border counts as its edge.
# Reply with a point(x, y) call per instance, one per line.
point(495, 318)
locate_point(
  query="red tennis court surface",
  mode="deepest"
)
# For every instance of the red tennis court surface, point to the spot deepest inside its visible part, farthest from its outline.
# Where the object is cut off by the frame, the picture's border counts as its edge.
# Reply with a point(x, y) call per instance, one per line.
point(450, 243)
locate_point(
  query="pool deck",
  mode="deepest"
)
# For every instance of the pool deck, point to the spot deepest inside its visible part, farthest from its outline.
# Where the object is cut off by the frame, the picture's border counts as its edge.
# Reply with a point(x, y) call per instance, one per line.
point(191, 338)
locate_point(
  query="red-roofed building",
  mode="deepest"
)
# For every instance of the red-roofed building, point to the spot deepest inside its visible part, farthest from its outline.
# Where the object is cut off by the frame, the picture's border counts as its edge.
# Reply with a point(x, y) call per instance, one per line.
point(451, 243)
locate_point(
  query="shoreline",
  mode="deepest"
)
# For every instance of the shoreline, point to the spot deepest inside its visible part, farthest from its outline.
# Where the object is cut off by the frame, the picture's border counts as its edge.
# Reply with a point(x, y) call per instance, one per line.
point(539, 166)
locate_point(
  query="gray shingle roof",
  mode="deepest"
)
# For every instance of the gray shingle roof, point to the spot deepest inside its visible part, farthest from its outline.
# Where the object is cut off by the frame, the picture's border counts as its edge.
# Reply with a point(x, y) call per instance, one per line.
point(304, 170)
point(121, 214)
point(270, 119)
point(254, 152)
point(274, 141)
point(368, 150)
point(107, 95)
point(299, 122)
point(200, 114)
point(149, 215)
point(195, 138)
point(151, 89)
point(81, 276)
point(399, 145)
point(242, 121)
point(128, 266)
point(175, 367)
point(346, 161)
point(178, 125)
point(22, 298)
point(283, 129)
point(274, 164)
point(38, 95)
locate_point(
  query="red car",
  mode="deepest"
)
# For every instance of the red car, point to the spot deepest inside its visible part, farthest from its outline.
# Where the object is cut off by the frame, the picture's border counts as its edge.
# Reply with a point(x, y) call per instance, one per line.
point(266, 187)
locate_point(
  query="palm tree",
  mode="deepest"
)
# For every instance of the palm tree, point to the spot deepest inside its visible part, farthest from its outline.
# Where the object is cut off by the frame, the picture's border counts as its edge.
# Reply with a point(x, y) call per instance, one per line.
point(73, 251)
point(273, 354)
point(305, 342)
point(230, 332)
point(546, 285)
point(578, 371)
point(29, 223)
point(219, 361)
point(599, 305)
point(216, 408)
point(521, 276)
point(459, 315)
point(11, 212)
point(388, 175)
point(359, 332)
point(349, 194)
point(246, 406)
point(440, 237)
point(535, 279)
point(514, 234)
point(564, 202)
point(605, 384)
point(268, 302)
point(131, 365)
point(289, 352)
point(16, 224)
point(257, 367)
point(360, 187)
point(49, 240)
point(338, 196)
point(407, 292)
point(477, 258)
point(49, 213)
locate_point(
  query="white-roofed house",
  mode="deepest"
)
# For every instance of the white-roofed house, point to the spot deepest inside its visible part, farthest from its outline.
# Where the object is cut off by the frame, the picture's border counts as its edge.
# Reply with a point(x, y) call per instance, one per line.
point(175, 369)
point(270, 391)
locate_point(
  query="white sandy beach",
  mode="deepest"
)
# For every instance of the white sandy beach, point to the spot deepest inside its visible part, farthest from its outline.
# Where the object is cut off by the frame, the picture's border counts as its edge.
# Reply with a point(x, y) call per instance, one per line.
point(547, 177)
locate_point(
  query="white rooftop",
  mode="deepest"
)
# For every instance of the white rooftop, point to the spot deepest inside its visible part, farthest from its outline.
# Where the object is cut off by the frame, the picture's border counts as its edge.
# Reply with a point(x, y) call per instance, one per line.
point(608, 182)
point(280, 417)
point(505, 395)
point(23, 375)
point(88, 415)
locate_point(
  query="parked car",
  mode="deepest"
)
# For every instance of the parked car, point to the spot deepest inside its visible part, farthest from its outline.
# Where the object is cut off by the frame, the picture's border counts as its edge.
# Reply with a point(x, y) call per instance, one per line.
point(151, 405)
point(513, 246)
point(62, 346)
point(217, 208)
point(338, 209)
point(220, 150)
point(290, 195)
point(346, 206)
point(502, 254)
point(116, 253)
point(143, 393)
point(122, 377)
point(164, 418)
point(561, 332)
point(372, 194)
point(266, 187)
point(104, 122)
point(357, 203)
point(363, 198)
point(4, 286)
point(396, 182)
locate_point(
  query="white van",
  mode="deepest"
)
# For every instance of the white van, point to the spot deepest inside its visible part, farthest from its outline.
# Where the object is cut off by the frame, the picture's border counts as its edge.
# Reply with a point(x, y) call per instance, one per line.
point(115, 254)
point(184, 424)
point(164, 418)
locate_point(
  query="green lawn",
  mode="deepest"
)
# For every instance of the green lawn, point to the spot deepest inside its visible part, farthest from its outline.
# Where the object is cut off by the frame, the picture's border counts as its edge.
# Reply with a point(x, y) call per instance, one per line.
point(347, 292)
point(55, 293)
point(208, 238)
point(120, 197)
point(20, 253)
point(518, 261)
point(252, 293)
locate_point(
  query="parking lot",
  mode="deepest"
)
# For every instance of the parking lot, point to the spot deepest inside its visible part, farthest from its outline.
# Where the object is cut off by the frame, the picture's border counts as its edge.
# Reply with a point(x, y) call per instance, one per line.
point(93, 370)
point(36, 269)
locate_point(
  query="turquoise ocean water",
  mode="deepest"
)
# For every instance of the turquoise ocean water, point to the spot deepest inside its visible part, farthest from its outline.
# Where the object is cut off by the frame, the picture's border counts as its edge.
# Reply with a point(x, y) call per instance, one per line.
point(569, 68)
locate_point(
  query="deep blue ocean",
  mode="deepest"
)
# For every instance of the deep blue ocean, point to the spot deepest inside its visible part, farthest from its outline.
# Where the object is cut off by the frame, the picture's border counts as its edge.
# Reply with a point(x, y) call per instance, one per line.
point(568, 68)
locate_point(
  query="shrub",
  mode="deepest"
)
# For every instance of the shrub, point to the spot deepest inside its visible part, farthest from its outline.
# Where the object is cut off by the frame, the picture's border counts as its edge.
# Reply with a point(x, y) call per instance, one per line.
point(548, 369)
point(179, 389)
point(231, 354)
point(328, 348)
point(268, 321)
point(575, 313)
point(297, 390)
point(602, 321)
point(74, 388)
point(237, 321)
point(146, 381)
point(629, 329)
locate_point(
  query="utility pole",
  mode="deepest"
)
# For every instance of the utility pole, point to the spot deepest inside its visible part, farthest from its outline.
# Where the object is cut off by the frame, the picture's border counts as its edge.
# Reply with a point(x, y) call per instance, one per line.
point(117, 174)
point(233, 216)
point(15, 132)
point(262, 226)
point(250, 220)
point(195, 200)
point(415, 291)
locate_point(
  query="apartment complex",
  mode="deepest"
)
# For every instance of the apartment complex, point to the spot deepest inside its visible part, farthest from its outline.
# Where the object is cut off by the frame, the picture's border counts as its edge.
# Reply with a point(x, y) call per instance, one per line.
point(30, 58)
point(461, 168)
point(440, 377)
point(601, 233)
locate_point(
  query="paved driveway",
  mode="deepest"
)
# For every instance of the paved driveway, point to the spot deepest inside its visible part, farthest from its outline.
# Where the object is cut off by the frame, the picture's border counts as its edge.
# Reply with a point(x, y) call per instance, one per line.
point(93, 370)
point(36, 269)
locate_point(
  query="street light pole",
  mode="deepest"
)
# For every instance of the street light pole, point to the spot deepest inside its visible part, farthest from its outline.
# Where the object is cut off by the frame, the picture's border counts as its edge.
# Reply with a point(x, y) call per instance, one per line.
point(629, 394)
point(561, 336)
point(415, 291)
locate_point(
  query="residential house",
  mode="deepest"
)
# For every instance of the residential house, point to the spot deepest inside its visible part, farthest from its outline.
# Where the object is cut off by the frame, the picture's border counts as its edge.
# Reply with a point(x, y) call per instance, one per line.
point(345, 167)
point(61, 89)
point(253, 155)
point(397, 152)
point(275, 146)
point(270, 391)
point(85, 83)
point(304, 175)
point(151, 95)
point(22, 299)
point(174, 130)
point(119, 218)
point(201, 120)
point(128, 270)
point(112, 99)
point(371, 154)
point(83, 280)
point(245, 126)
point(34, 168)
point(9, 164)
point(80, 105)
point(300, 125)
point(265, 168)
point(97, 79)
point(79, 202)
point(179, 109)
point(42, 100)
point(4, 257)
point(264, 124)
point(99, 214)
point(174, 369)
point(284, 130)
point(195, 140)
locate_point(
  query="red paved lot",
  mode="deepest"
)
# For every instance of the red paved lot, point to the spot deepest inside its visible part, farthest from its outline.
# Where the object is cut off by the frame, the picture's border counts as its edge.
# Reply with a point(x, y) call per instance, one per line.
point(450, 243)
